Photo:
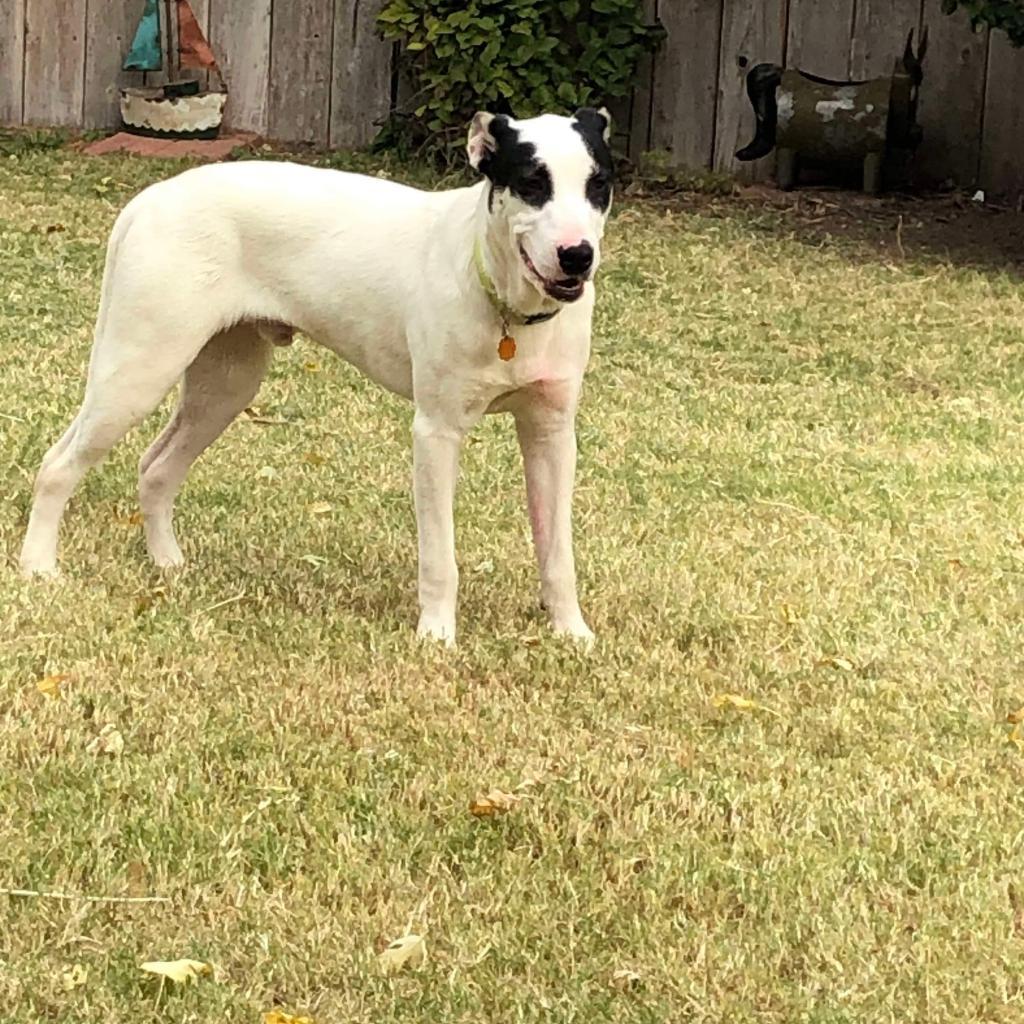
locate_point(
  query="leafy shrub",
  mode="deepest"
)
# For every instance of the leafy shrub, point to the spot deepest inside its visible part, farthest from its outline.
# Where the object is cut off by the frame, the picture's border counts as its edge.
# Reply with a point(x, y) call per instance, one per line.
point(1007, 15)
point(508, 56)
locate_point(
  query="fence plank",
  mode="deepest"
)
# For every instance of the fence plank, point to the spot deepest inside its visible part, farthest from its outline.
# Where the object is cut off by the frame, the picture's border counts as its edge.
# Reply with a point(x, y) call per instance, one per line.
point(109, 29)
point(300, 86)
point(880, 34)
point(1002, 169)
point(54, 62)
point(640, 108)
point(361, 75)
point(620, 110)
point(240, 36)
point(952, 98)
point(686, 85)
point(753, 31)
point(12, 68)
point(819, 37)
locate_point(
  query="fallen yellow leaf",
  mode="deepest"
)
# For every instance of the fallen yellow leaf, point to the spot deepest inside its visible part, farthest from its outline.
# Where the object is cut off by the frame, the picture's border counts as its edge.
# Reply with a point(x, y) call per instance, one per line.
point(280, 1017)
point(181, 972)
point(495, 802)
point(1015, 716)
point(74, 977)
point(409, 949)
point(319, 508)
point(256, 415)
point(49, 686)
point(843, 664)
point(734, 700)
point(1015, 738)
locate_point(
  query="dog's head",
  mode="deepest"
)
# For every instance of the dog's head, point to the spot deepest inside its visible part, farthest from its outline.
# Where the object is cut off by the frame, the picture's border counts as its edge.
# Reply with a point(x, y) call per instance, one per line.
point(551, 185)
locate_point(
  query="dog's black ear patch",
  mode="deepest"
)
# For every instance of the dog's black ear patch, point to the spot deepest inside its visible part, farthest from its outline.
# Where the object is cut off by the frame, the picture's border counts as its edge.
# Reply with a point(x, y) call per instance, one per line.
point(513, 164)
point(593, 127)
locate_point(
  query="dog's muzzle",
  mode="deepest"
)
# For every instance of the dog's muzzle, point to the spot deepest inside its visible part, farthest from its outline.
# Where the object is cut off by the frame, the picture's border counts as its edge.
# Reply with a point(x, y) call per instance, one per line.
point(564, 289)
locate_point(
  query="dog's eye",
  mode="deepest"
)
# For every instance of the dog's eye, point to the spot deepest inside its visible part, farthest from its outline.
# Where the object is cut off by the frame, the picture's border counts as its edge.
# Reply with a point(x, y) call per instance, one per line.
point(599, 189)
point(535, 186)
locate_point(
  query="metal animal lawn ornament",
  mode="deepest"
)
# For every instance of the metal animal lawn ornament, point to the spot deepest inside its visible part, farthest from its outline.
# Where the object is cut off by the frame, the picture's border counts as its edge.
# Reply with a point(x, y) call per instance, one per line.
point(178, 109)
point(817, 119)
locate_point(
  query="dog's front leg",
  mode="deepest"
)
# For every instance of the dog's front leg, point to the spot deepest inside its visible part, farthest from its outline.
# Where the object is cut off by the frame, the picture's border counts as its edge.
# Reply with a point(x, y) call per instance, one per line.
point(436, 446)
point(547, 437)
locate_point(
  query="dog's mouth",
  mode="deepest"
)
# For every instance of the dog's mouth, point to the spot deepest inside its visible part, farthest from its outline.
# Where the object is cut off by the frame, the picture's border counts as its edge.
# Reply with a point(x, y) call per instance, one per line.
point(565, 289)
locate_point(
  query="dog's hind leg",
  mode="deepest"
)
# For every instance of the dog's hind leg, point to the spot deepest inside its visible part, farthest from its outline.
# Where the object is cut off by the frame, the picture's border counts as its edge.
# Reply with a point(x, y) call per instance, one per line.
point(221, 381)
point(124, 387)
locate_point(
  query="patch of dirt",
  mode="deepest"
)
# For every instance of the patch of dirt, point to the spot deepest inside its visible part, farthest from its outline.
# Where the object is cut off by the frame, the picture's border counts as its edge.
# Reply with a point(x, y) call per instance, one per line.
point(945, 226)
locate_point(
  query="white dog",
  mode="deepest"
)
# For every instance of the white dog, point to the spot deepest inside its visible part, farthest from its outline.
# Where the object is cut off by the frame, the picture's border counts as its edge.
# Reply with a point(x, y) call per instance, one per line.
point(470, 301)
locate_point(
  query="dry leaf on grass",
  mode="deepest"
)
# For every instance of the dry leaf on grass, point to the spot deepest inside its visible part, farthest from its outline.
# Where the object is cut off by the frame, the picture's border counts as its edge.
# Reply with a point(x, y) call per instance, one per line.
point(1015, 717)
point(49, 686)
point(319, 508)
point(735, 701)
point(409, 949)
point(109, 741)
point(74, 977)
point(137, 877)
point(255, 415)
point(624, 978)
point(1015, 737)
point(181, 972)
point(493, 803)
point(144, 602)
point(843, 664)
point(280, 1017)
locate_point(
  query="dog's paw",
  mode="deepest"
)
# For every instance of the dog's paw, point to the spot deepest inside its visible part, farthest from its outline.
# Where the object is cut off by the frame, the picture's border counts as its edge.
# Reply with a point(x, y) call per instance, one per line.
point(163, 549)
point(169, 560)
point(39, 570)
point(579, 632)
point(435, 629)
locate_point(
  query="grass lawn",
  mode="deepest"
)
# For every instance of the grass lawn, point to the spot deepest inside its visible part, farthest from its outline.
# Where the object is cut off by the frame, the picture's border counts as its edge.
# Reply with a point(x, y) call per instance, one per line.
point(801, 483)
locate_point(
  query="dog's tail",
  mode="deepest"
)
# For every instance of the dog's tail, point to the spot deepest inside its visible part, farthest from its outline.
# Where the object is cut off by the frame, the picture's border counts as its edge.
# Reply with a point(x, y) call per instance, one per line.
point(120, 229)
point(117, 235)
point(762, 81)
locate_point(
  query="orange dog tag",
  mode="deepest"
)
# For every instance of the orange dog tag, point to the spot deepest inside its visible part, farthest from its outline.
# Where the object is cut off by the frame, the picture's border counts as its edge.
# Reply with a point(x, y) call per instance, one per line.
point(506, 348)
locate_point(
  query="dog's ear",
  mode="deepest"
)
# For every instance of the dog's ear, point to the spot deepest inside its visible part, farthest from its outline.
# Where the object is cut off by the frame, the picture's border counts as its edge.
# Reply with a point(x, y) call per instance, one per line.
point(598, 121)
point(481, 144)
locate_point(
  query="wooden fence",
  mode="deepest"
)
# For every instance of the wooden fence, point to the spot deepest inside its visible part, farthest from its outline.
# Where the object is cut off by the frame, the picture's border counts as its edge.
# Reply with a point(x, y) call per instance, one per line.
point(298, 70)
point(315, 71)
point(692, 98)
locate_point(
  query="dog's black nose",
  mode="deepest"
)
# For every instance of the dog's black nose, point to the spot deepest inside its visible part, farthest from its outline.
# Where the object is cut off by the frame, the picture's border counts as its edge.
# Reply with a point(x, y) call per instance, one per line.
point(576, 260)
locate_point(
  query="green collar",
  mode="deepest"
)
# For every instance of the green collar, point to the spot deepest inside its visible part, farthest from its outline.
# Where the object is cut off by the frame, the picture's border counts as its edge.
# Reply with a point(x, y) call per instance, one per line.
point(509, 316)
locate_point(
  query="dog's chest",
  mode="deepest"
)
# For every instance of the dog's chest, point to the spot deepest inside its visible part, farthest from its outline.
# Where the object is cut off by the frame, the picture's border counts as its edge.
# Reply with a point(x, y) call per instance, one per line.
point(545, 376)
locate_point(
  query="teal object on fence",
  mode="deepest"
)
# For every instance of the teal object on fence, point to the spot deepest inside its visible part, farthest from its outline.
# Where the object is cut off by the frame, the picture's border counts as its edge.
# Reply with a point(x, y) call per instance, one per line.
point(145, 52)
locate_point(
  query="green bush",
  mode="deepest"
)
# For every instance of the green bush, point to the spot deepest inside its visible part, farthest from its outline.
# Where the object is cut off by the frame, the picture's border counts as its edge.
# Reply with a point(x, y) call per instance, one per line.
point(508, 56)
point(1007, 15)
